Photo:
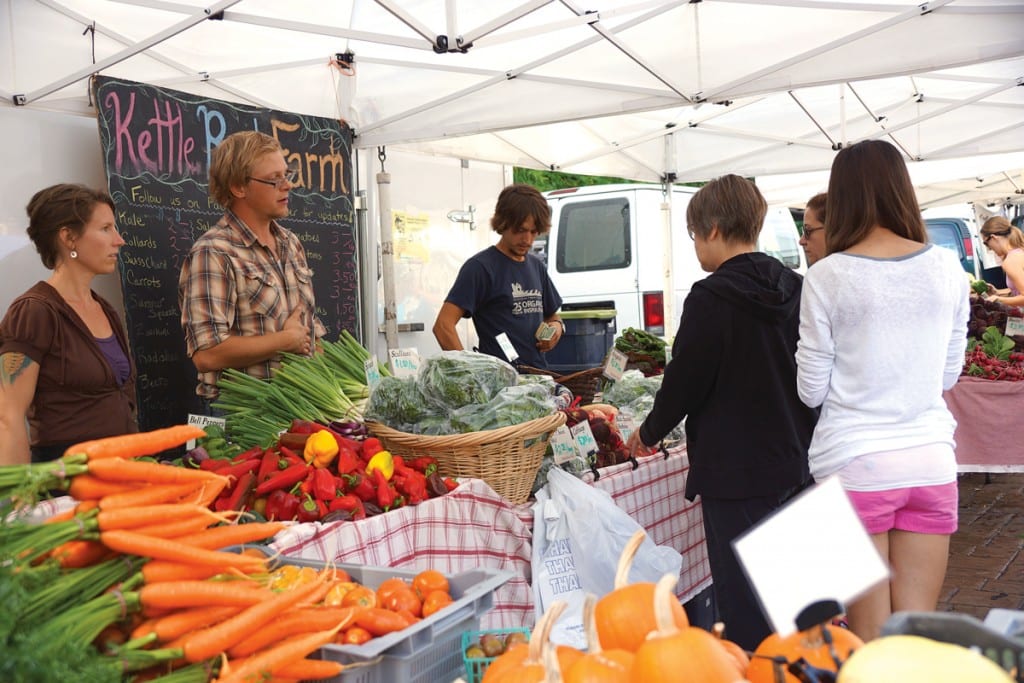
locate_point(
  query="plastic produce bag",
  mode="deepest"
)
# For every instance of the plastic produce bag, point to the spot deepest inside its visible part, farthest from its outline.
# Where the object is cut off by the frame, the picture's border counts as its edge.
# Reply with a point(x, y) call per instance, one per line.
point(399, 404)
point(512, 405)
point(578, 534)
point(457, 378)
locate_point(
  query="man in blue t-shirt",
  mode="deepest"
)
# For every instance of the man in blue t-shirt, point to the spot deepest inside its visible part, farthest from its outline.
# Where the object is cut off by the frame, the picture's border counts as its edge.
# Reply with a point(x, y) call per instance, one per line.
point(505, 289)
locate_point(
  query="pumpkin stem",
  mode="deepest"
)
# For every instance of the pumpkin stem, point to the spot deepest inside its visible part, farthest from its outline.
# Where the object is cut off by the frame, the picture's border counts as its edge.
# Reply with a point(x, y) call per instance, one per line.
point(542, 631)
point(590, 623)
point(718, 630)
point(663, 596)
point(626, 558)
point(552, 668)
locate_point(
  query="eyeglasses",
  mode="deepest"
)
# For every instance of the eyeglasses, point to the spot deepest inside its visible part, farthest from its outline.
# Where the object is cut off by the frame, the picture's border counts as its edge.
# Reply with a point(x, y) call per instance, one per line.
point(810, 231)
point(289, 178)
point(989, 235)
point(689, 231)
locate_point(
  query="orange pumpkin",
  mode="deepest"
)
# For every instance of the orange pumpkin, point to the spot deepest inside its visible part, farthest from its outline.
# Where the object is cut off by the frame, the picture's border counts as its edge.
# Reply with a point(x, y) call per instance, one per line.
point(680, 654)
point(597, 665)
point(525, 663)
point(821, 646)
point(625, 616)
point(734, 650)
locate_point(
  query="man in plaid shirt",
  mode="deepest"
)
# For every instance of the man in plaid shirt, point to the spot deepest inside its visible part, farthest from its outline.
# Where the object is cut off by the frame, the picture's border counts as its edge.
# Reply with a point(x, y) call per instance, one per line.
point(245, 291)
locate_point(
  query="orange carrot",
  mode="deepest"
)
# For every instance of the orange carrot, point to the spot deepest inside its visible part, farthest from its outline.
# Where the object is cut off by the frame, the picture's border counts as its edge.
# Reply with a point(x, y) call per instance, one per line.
point(271, 659)
point(292, 623)
point(185, 621)
point(309, 669)
point(134, 517)
point(88, 487)
point(147, 495)
point(216, 639)
point(78, 554)
point(206, 493)
point(132, 543)
point(120, 470)
point(85, 506)
point(178, 528)
point(234, 534)
point(180, 594)
point(62, 516)
point(136, 445)
point(162, 571)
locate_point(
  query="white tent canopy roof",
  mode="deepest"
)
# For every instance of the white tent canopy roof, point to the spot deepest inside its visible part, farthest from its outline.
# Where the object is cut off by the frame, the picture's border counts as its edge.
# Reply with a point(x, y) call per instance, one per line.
point(633, 89)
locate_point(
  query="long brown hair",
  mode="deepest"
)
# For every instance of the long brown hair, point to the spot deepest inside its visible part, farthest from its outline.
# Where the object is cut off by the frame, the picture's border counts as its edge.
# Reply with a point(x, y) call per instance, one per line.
point(870, 186)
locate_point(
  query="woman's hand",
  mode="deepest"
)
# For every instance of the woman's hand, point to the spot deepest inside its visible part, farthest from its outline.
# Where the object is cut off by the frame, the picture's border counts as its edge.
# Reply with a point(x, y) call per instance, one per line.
point(636, 447)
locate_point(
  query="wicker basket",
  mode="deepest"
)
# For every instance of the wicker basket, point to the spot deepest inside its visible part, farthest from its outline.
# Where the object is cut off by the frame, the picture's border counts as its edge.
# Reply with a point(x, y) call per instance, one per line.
point(507, 458)
point(583, 384)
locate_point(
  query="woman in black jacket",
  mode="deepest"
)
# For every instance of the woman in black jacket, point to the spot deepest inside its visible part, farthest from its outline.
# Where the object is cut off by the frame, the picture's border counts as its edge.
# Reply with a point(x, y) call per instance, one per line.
point(733, 377)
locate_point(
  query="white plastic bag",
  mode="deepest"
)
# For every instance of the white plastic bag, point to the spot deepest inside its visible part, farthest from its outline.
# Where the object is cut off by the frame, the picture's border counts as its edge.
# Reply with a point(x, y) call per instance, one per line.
point(578, 534)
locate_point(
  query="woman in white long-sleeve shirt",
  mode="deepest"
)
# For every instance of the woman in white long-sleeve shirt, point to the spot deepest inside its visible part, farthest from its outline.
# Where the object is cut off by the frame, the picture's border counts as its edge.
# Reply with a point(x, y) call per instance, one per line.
point(883, 323)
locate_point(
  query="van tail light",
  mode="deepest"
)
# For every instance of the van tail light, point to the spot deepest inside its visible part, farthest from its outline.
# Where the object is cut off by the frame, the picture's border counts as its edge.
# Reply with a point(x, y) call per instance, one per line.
point(968, 246)
point(654, 312)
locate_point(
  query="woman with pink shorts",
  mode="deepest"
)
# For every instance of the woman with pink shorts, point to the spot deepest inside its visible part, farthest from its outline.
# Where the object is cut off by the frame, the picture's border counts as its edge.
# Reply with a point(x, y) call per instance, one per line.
point(883, 328)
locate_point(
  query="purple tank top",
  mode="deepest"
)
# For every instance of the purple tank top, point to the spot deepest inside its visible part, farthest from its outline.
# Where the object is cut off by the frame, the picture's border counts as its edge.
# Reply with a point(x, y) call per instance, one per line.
point(111, 348)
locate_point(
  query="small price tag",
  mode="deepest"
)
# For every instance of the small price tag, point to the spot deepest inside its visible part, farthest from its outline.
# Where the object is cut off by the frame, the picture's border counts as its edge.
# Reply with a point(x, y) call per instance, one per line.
point(202, 421)
point(616, 365)
point(372, 370)
point(506, 347)
point(1014, 327)
point(404, 362)
point(668, 354)
point(626, 426)
point(563, 445)
point(586, 444)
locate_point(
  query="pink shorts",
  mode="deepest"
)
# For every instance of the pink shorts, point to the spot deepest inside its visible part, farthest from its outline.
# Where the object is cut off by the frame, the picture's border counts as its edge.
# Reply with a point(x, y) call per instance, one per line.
point(922, 509)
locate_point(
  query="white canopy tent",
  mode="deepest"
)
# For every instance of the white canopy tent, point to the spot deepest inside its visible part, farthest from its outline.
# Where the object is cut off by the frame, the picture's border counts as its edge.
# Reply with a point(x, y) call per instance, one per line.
point(640, 89)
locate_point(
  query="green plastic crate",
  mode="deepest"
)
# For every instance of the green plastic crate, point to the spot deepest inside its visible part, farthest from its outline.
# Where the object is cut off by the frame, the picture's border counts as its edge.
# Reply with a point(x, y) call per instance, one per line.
point(477, 666)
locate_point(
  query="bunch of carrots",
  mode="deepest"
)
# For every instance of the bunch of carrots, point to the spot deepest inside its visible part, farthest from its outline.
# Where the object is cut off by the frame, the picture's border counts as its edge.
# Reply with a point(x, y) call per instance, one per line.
point(129, 585)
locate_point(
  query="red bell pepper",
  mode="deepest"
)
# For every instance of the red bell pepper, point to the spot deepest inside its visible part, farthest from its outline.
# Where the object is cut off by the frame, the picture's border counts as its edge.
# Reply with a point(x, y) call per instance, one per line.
point(386, 496)
point(347, 460)
point(213, 464)
point(241, 492)
point(371, 447)
point(348, 503)
point(289, 455)
point(311, 510)
point(254, 452)
point(268, 465)
point(424, 463)
point(360, 486)
point(411, 484)
point(284, 480)
point(236, 471)
point(274, 501)
point(306, 487)
point(289, 506)
point(323, 485)
point(302, 427)
point(450, 483)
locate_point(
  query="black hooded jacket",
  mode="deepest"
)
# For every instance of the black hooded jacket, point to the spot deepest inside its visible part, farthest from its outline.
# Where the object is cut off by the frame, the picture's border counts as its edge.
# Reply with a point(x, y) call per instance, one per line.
point(733, 376)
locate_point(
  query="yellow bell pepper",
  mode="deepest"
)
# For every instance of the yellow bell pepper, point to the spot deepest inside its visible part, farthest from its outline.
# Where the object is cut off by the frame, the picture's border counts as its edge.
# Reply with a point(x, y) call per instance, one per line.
point(381, 461)
point(321, 448)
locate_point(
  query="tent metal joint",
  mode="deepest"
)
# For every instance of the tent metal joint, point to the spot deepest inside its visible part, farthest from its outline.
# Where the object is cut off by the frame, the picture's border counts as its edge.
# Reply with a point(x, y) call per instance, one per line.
point(925, 8)
point(19, 100)
point(215, 16)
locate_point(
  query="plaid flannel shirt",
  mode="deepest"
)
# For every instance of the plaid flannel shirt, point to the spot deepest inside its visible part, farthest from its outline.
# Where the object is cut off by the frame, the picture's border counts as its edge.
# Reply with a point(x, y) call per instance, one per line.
point(231, 285)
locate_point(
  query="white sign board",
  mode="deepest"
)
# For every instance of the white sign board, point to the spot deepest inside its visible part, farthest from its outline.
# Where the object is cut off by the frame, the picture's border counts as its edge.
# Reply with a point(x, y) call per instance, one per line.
point(563, 445)
point(815, 548)
point(615, 366)
point(202, 421)
point(372, 370)
point(404, 362)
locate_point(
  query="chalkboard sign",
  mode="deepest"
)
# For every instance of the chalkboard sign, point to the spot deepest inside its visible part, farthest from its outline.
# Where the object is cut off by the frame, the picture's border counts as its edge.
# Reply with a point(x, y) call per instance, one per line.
point(157, 145)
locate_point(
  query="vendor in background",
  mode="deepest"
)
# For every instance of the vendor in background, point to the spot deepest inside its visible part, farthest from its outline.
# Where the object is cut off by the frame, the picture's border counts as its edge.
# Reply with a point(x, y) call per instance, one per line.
point(733, 377)
point(885, 430)
point(812, 237)
point(64, 360)
point(245, 290)
point(1007, 242)
point(505, 289)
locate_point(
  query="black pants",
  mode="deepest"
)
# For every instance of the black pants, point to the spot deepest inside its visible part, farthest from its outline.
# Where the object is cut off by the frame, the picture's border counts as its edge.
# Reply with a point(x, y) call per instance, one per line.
point(738, 607)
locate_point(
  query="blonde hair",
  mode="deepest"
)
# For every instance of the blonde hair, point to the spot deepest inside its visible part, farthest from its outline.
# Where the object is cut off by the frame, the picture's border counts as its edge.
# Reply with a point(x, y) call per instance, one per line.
point(233, 160)
point(998, 225)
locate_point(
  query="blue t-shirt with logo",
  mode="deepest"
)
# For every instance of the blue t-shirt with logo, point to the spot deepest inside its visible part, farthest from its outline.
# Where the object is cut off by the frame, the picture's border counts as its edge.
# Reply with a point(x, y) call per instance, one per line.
point(503, 295)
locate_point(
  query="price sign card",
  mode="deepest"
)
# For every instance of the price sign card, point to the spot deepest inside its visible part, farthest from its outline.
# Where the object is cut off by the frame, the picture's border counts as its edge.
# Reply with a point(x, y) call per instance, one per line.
point(372, 370)
point(615, 365)
point(586, 444)
point(203, 421)
point(506, 347)
point(815, 548)
point(404, 362)
point(563, 445)
point(1014, 326)
point(626, 426)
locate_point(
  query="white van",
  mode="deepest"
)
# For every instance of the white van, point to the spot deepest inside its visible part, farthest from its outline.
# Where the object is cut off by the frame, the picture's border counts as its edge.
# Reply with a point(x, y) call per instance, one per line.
point(606, 244)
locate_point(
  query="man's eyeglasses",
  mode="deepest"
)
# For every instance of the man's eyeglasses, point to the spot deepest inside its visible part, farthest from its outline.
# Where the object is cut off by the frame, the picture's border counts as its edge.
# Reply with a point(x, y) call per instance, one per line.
point(810, 231)
point(689, 231)
point(289, 178)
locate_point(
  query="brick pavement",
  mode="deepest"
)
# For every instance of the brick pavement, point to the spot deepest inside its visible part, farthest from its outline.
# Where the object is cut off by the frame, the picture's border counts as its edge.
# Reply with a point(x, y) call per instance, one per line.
point(986, 555)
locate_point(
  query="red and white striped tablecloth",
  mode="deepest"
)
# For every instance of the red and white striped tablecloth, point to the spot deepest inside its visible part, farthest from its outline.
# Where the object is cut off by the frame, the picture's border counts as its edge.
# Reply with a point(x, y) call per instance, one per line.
point(474, 527)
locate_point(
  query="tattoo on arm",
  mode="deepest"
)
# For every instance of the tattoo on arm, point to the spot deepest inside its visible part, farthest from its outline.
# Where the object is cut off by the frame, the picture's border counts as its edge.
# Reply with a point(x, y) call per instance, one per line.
point(12, 365)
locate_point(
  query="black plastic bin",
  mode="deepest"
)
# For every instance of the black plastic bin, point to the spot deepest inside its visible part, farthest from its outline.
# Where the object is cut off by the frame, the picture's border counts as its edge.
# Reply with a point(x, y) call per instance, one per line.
point(589, 335)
